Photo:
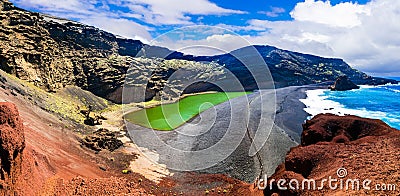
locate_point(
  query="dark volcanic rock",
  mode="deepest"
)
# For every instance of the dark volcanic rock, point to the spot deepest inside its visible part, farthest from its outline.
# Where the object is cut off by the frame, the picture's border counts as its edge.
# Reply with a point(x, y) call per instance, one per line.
point(289, 68)
point(12, 144)
point(343, 83)
point(327, 127)
point(102, 139)
point(329, 143)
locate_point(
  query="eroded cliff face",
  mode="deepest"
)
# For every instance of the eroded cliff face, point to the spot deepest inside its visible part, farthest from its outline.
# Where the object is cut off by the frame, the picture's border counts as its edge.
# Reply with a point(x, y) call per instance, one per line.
point(53, 53)
point(50, 54)
point(28, 51)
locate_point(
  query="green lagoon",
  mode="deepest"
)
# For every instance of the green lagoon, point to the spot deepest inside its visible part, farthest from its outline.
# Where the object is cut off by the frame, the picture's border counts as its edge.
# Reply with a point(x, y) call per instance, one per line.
point(166, 117)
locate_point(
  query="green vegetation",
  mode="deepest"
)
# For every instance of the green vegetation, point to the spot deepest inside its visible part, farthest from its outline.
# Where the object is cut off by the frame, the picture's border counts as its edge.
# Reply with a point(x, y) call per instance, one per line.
point(167, 117)
point(125, 171)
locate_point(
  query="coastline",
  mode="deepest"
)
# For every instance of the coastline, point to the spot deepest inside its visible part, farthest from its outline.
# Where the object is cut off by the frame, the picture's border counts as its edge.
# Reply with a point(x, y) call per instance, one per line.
point(290, 114)
point(317, 102)
point(325, 151)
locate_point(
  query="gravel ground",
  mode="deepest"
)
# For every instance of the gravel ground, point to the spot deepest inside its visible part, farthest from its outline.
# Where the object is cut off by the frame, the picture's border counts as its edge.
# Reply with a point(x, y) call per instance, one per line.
point(218, 140)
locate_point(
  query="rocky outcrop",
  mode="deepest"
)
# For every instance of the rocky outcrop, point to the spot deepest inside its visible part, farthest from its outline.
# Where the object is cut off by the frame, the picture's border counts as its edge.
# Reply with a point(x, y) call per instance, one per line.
point(331, 128)
point(330, 144)
point(164, 79)
point(12, 144)
point(53, 53)
point(343, 83)
point(102, 139)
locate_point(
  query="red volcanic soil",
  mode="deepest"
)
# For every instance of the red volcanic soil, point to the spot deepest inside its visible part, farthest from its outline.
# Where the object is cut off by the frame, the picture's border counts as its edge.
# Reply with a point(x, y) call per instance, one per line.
point(27, 165)
point(12, 143)
point(42, 155)
point(367, 149)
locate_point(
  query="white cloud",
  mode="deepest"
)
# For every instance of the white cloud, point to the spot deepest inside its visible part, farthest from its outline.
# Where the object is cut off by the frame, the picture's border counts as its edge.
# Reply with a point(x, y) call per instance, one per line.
point(274, 12)
point(152, 12)
point(121, 27)
point(211, 45)
point(173, 12)
point(201, 40)
point(95, 13)
point(341, 15)
point(366, 36)
point(59, 6)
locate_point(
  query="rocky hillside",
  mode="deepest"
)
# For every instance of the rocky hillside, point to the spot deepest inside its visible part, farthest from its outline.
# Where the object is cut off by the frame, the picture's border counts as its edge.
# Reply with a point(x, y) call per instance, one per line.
point(21, 165)
point(53, 53)
point(37, 162)
point(341, 148)
point(289, 68)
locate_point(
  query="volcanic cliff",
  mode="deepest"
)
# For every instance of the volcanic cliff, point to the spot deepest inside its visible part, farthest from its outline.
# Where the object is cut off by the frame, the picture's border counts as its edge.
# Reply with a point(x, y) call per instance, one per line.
point(53, 53)
point(341, 147)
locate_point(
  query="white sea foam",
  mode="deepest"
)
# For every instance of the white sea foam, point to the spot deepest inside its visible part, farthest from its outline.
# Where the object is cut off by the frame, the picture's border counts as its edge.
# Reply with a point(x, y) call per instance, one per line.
point(385, 86)
point(377, 86)
point(366, 86)
point(390, 89)
point(398, 84)
point(316, 103)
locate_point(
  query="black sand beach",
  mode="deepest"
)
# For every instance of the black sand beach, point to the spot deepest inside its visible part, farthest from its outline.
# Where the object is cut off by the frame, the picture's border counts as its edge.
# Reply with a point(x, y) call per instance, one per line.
point(217, 141)
point(290, 114)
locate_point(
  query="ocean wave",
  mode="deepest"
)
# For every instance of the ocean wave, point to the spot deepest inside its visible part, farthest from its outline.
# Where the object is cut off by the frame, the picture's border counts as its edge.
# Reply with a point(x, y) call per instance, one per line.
point(366, 86)
point(386, 86)
point(391, 89)
point(317, 102)
point(398, 84)
point(377, 86)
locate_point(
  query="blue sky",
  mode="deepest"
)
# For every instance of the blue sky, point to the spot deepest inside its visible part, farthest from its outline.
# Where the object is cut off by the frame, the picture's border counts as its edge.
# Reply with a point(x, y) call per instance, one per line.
point(365, 33)
point(272, 10)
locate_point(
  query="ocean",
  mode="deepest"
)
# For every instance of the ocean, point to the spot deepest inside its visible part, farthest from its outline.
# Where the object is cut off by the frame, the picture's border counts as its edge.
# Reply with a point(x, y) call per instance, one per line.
point(377, 102)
